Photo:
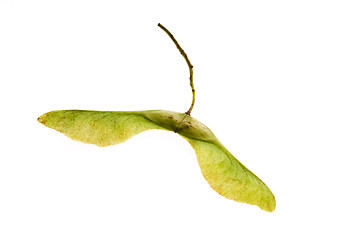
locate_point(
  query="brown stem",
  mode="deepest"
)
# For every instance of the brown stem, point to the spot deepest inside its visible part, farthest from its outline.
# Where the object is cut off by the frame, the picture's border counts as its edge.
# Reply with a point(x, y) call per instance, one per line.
point(190, 66)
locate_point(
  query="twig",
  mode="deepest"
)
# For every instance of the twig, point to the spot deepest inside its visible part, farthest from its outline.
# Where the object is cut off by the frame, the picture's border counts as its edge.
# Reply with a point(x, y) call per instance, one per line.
point(190, 66)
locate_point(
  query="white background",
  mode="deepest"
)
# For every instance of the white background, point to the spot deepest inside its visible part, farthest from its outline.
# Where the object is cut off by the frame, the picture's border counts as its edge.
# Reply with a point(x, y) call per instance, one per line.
point(278, 82)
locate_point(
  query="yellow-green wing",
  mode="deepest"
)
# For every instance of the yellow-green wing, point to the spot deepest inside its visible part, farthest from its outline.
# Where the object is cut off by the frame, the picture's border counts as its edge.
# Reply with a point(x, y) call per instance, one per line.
point(224, 173)
point(102, 128)
point(228, 177)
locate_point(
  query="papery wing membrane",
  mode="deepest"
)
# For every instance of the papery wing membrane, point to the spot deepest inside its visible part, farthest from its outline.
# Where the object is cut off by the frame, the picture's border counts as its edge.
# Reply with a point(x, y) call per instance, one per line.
point(102, 128)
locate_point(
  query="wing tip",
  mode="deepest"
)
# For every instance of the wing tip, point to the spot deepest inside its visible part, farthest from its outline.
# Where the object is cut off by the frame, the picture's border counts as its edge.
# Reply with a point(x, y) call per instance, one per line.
point(42, 118)
point(269, 206)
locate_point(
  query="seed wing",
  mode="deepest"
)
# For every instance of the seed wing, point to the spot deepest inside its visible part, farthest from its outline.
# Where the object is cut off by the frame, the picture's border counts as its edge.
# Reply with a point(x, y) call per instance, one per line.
point(228, 177)
point(102, 128)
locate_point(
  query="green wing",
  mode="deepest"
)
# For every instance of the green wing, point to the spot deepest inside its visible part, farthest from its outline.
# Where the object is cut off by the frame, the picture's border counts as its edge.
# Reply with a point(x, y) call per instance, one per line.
point(224, 173)
point(102, 128)
point(228, 177)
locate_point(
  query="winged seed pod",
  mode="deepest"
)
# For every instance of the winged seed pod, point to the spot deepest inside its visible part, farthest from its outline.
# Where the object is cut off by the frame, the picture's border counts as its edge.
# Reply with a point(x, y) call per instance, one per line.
point(224, 173)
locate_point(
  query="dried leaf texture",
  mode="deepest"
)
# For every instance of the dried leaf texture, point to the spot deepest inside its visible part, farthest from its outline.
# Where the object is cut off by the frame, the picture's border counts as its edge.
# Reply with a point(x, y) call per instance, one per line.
point(225, 174)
